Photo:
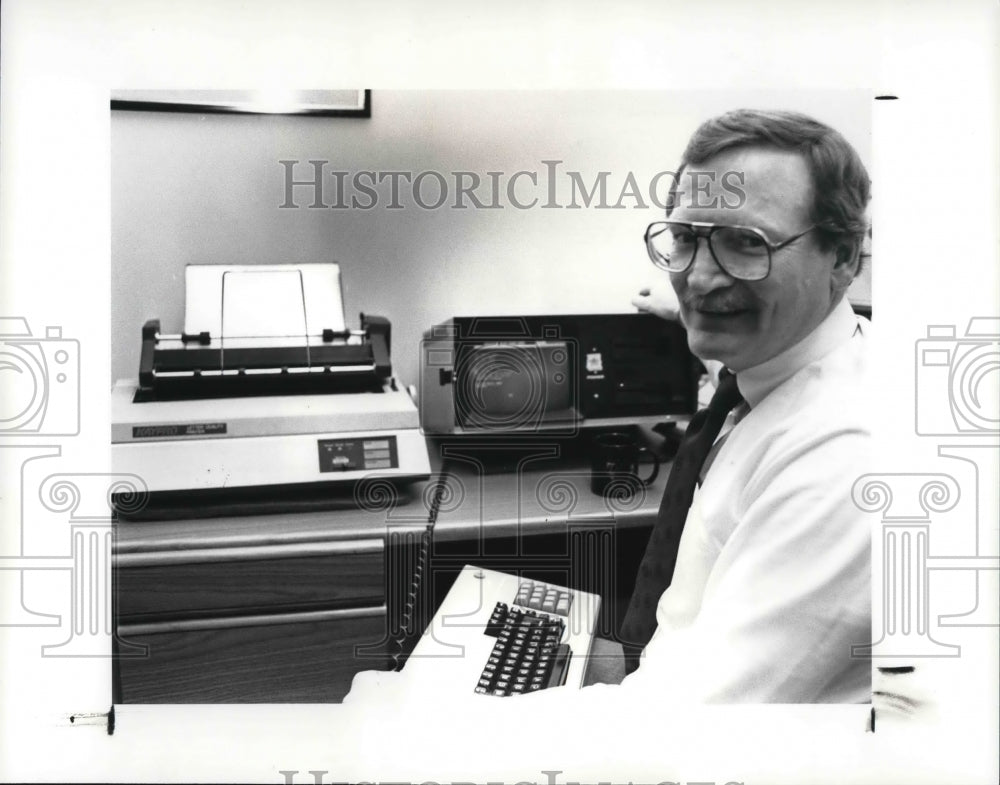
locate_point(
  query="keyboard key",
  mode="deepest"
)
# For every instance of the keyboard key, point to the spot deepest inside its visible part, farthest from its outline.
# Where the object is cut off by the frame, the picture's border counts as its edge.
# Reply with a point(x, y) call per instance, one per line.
point(495, 624)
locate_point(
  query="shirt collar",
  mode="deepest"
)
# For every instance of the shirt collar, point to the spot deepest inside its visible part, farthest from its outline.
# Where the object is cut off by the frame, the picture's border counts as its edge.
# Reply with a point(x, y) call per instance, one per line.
point(758, 382)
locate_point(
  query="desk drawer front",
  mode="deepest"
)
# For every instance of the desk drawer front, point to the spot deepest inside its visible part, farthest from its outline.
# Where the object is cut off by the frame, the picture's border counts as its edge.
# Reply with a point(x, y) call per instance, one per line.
point(283, 658)
point(224, 580)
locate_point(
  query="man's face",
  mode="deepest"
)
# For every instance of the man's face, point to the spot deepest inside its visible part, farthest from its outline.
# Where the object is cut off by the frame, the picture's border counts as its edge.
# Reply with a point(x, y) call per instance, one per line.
point(744, 323)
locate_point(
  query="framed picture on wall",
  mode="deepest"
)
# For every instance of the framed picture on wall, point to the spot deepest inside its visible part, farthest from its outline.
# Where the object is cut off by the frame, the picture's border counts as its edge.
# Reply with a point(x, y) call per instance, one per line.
point(314, 103)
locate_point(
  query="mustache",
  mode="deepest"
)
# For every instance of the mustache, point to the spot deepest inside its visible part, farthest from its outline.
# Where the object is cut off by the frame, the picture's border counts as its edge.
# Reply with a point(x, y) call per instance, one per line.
point(724, 301)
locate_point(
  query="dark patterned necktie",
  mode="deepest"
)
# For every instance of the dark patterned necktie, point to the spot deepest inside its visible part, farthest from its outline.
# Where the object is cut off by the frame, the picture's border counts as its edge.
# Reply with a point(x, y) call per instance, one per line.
point(657, 567)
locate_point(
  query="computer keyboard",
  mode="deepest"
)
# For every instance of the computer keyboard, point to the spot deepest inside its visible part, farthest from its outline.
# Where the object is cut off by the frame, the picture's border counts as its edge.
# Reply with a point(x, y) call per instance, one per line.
point(527, 655)
point(498, 634)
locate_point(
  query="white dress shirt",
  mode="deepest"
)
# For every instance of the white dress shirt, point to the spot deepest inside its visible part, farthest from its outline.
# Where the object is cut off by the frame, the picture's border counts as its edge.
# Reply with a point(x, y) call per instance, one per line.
point(773, 579)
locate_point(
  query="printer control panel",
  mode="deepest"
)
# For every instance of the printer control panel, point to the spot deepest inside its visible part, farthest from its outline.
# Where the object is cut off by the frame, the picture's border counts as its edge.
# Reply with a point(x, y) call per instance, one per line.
point(365, 453)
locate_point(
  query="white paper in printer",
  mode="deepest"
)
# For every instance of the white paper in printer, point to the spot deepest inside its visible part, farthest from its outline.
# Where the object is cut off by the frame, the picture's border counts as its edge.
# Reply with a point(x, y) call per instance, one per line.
point(247, 306)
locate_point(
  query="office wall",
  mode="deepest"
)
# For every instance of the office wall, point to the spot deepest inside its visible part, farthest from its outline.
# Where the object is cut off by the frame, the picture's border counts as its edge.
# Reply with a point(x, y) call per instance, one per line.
point(190, 188)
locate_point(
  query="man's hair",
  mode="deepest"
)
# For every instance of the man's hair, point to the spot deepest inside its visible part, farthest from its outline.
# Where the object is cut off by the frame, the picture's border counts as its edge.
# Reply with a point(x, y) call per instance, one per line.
point(841, 187)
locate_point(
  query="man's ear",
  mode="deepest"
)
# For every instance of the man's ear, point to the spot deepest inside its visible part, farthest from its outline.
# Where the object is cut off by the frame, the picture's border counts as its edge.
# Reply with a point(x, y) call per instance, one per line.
point(847, 257)
point(846, 265)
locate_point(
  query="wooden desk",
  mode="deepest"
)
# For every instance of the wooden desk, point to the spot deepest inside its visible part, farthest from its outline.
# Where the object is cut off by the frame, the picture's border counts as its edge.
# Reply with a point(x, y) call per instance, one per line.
point(287, 608)
point(269, 608)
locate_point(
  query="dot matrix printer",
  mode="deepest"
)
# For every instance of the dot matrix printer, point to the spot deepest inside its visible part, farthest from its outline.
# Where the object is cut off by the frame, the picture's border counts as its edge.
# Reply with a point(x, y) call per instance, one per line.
point(266, 392)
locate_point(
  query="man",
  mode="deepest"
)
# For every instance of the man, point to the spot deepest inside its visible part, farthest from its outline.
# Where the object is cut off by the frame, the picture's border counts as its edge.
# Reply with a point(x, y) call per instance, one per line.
point(772, 580)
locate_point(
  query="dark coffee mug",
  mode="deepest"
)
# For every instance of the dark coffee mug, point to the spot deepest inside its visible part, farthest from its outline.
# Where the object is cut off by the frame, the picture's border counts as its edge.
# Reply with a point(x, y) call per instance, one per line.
point(615, 464)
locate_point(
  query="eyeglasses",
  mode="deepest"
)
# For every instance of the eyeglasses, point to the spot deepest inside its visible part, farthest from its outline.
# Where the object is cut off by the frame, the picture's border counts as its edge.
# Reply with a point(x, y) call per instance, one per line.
point(743, 252)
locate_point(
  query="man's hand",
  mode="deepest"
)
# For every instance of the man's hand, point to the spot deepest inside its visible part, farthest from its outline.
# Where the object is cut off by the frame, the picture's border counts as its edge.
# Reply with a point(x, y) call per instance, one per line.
point(369, 687)
point(661, 302)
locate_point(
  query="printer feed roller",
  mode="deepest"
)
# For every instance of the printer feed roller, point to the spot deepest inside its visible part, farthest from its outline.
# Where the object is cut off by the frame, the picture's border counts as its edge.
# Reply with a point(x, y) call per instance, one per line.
point(182, 367)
